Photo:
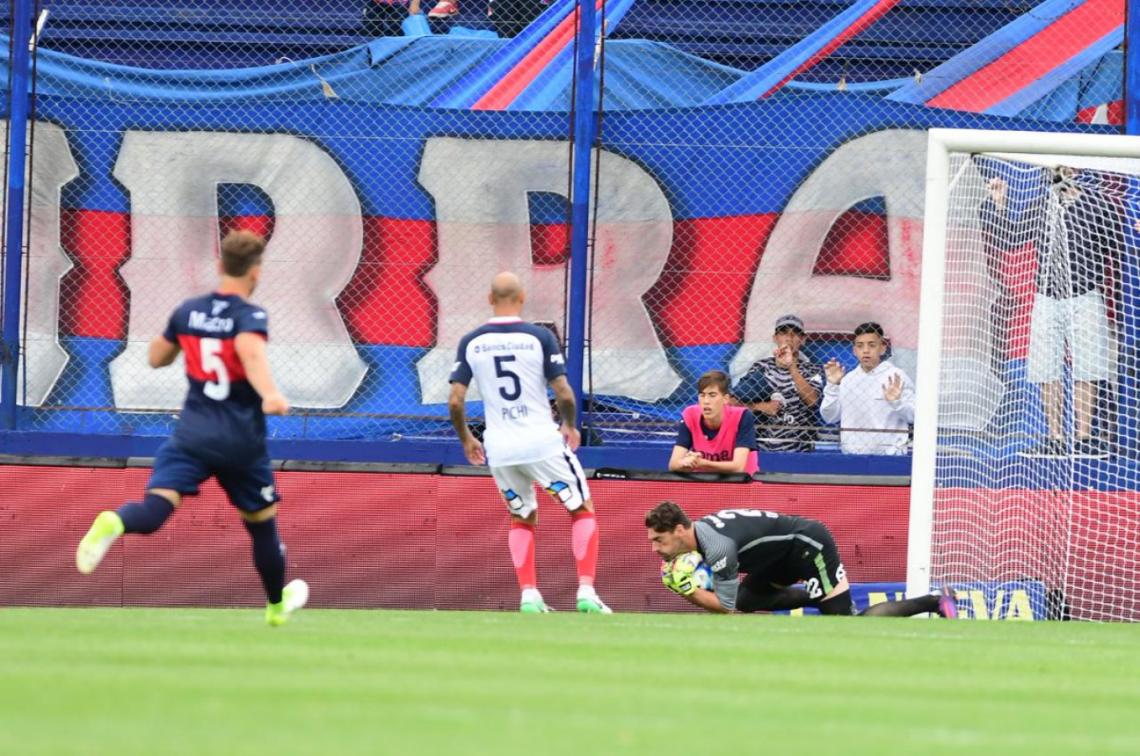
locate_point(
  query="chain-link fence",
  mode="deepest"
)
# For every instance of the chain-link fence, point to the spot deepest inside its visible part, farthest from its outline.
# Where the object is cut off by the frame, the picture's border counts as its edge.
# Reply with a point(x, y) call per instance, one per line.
point(753, 160)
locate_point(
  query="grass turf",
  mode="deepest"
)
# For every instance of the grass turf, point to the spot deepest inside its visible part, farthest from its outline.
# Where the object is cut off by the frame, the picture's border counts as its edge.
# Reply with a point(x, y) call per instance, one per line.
point(218, 681)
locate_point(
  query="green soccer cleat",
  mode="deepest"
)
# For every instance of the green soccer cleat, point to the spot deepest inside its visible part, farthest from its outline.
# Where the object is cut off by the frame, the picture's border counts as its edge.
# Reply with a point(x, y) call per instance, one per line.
point(106, 529)
point(534, 606)
point(294, 596)
point(593, 605)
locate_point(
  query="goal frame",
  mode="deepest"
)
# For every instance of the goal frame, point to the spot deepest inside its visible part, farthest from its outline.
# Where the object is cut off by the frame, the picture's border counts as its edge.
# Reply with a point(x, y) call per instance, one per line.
point(940, 144)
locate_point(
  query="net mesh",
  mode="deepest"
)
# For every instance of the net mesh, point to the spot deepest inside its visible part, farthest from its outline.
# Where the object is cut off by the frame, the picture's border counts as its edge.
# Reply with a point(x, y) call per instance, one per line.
point(1036, 476)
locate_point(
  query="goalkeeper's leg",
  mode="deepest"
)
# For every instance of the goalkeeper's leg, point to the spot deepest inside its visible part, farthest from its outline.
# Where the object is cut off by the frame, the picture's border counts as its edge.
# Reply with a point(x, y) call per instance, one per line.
point(757, 595)
point(904, 608)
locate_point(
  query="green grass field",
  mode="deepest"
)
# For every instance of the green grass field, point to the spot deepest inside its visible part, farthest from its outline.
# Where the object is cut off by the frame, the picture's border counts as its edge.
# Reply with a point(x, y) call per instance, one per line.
point(120, 681)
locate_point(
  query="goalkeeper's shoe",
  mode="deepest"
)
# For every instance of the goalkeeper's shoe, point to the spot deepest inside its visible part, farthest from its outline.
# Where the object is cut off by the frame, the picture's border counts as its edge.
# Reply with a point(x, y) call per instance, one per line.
point(947, 603)
point(102, 534)
point(590, 603)
point(294, 596)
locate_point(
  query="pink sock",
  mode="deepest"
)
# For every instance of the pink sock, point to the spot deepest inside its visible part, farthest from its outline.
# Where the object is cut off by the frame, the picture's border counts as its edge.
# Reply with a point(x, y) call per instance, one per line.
point(521, 543)
point(584, 539)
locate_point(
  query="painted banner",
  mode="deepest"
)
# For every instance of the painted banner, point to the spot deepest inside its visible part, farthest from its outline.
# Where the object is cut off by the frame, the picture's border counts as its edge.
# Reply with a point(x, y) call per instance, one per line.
point(385, 225)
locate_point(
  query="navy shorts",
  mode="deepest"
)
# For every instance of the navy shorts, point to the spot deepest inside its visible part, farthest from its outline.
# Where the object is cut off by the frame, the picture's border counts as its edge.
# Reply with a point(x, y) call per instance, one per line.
point(250, 486)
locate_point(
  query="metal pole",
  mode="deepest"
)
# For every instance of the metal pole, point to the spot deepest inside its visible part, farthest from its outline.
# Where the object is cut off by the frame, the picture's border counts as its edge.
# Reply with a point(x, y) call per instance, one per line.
point(584, 133)
point(14, 252)
point(1132, 67)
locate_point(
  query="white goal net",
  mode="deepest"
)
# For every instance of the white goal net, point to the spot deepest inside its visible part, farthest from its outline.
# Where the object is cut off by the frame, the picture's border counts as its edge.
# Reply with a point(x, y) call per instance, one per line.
point(1026, 495)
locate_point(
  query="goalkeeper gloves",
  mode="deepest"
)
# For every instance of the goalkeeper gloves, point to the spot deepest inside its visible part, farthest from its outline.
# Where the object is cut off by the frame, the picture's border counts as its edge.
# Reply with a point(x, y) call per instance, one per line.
point(679, 578)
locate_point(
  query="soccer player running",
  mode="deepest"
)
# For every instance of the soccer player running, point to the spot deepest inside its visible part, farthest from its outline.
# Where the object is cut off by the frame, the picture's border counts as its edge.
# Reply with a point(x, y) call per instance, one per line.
point(512, 361)
point(221, 431)
point(776, 552)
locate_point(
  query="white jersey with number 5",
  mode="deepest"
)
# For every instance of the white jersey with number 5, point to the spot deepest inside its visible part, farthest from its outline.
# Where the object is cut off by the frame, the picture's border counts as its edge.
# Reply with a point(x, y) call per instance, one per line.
point(512, 362)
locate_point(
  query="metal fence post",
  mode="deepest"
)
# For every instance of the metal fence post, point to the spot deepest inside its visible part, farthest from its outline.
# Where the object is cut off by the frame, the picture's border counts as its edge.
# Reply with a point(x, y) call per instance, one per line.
point(17, 159)
point(584, 132)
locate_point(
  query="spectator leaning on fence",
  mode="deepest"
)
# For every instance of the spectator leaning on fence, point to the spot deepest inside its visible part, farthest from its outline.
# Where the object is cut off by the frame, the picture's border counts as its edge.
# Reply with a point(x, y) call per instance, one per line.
point(714, 436)
point(783, 391)
point(1078, 236)
point(873, 398)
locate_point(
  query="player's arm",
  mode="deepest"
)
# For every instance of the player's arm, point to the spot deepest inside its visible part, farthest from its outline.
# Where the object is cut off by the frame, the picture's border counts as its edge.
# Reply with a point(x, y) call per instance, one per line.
point(162, 351)
point(683, 459)
point(567, 410)
point(904, 405)
point(753, 392)
point(706, 600)
point(808, 393)
point(457, 411)
point(737, 464)
point(832, 408)
point(253, 353)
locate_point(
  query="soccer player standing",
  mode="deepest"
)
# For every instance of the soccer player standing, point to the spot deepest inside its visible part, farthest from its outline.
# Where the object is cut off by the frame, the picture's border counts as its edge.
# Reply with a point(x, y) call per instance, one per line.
point(777, 553)
point(511, 362)
point(221, 431)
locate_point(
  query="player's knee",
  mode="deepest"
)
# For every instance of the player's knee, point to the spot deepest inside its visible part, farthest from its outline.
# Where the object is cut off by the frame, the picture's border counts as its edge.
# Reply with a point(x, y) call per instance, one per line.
point(842, 586)
point(531, 519)
point(838, 603)
point(260, 515)
point(169, 494)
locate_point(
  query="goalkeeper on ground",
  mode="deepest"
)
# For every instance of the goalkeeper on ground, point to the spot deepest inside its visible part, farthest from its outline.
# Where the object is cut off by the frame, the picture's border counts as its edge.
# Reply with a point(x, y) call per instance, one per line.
point(789, 562)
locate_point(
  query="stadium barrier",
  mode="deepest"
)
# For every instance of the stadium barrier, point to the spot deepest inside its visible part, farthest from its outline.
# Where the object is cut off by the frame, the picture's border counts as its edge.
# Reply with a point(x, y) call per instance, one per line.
point(430, 537)
point(391, 538)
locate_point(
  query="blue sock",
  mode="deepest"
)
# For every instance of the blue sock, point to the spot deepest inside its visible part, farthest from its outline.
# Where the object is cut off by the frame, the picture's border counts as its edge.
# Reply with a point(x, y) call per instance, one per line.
point(268, 557)
point(145, 517)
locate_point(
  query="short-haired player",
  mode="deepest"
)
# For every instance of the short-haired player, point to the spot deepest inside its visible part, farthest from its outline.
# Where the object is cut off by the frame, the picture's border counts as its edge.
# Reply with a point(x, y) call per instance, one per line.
point(512, 362)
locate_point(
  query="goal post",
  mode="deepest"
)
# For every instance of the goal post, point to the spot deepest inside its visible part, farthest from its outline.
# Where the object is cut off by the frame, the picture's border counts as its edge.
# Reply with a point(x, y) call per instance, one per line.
point(983, 507)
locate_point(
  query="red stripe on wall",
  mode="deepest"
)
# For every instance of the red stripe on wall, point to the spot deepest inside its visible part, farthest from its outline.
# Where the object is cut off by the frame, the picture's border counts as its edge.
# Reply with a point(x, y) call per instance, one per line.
point(700, 298)
point(1113, 115)
point(1034, 58)
point(703, 292)
point(93, 301)
point(387, 301)
point(259, 224)
point(1017, 281)
point(856, 245)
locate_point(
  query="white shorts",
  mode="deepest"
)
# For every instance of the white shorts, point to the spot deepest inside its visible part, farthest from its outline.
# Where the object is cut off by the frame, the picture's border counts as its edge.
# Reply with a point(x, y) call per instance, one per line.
point(1082, 322)
point(560, 476)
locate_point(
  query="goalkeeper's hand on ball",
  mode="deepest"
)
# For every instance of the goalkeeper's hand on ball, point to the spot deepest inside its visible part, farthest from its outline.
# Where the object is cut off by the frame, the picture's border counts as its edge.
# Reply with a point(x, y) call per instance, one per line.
point(679, 576)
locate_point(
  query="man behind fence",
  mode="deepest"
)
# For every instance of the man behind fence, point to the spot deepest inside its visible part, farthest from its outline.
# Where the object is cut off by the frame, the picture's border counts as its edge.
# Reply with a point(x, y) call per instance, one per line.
point(873, 398)
point(783, 391)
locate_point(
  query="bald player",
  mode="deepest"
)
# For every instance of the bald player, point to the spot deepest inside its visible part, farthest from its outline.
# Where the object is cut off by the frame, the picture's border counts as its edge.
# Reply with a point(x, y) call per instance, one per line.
point(512, 362)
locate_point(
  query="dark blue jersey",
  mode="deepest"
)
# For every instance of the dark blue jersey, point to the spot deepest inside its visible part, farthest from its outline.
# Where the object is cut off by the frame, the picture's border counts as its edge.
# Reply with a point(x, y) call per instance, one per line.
point(221, 418)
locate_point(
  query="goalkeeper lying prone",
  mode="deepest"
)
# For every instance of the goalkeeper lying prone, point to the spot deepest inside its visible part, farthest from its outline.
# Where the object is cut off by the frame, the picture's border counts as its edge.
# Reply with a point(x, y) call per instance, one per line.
point(789, 562)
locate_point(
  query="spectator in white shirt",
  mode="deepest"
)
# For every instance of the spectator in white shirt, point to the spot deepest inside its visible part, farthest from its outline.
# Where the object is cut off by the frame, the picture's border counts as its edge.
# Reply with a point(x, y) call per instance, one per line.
point(873, 398)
